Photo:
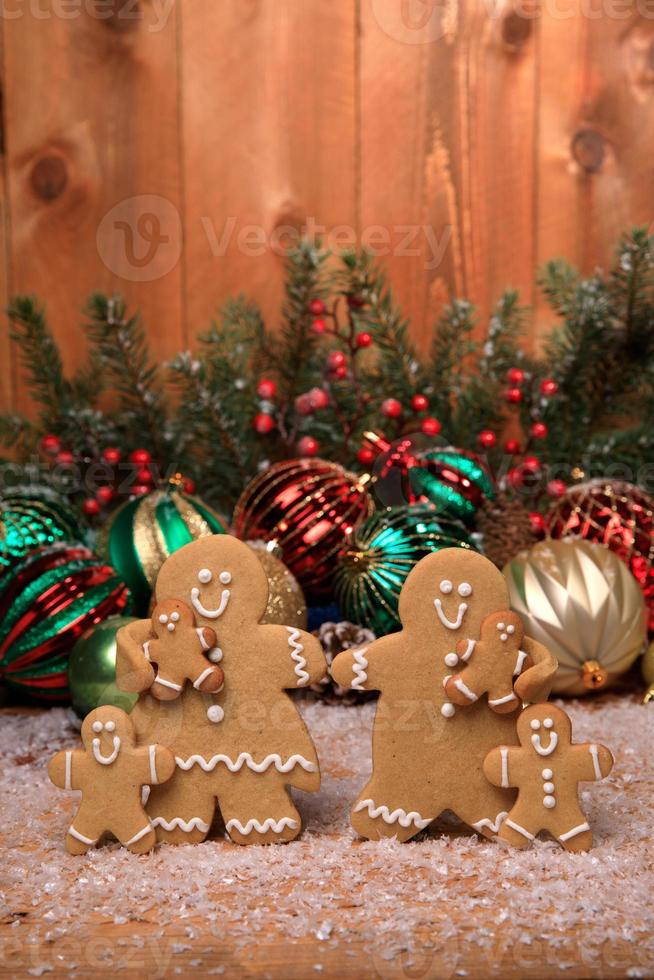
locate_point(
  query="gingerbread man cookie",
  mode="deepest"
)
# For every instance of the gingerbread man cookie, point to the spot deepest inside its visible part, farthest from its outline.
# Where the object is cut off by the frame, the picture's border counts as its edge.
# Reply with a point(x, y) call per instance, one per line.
point(179, 649)
point(110, 772)
point(243, 747)
point(427, 753)
point(493, 662)
point(547, 768)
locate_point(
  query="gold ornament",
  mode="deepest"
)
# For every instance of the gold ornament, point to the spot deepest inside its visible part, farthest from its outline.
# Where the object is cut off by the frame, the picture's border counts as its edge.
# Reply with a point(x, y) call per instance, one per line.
point(286, 603)
point(647, 668)
point(582, 602)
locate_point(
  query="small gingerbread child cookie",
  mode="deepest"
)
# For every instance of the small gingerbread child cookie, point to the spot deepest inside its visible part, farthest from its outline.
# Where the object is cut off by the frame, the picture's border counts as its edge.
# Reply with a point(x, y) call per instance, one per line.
point(110, 772)
point(546, 768)
point(493, 662)
point(179, 650)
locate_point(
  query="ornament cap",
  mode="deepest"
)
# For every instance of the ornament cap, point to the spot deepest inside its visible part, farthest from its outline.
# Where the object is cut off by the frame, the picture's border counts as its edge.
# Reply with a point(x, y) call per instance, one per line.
point(593, 675)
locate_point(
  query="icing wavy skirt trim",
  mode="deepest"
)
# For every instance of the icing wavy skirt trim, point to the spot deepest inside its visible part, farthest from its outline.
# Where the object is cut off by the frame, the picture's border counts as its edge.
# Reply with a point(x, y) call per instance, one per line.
point(261, 828)
point(397, 816)
point(195, 823)
point(245, 759)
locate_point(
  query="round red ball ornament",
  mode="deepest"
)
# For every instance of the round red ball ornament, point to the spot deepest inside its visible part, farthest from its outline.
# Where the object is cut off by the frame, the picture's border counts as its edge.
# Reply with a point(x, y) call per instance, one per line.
point(532, 464)
point(419, 403)
point(104, 495)
point(512, 447)
point(366, 456)
point(556, 488)
point(513, 396)
point(65, 458)
point(50, 444)
point(267, 389)
point(548, 387)
point(309, 507)
point(188, 485)
point(538, 430)
point(618, 516)
point(430, 426)
point(263, 423)
point(318, 325)
point(487, 439)
point(307, 446)
point(141, 457)
point(111, 455)
point(537, 522)
point(318, 399)
point(317, 307)
point(336, 360)
point(91, 507)
point(391, 408)
point(515, 376)
point(363, 339)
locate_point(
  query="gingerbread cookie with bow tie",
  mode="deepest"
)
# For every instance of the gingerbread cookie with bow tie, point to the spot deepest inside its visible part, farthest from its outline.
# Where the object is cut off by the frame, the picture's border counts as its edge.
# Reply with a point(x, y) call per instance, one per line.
point(546, 769)
point(110, 772)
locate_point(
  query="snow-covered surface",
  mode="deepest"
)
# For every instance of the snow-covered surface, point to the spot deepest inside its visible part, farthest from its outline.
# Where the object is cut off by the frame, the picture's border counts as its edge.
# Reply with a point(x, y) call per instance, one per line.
point(448, 895)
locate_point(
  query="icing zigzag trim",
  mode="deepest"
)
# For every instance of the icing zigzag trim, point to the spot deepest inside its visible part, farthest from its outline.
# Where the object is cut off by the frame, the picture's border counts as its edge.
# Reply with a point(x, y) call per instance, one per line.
point(195, 823)
point(296, 655)
point(360, 667)
point(487, 822)
point(261, 828)
point(397, 816)
point(245, 759)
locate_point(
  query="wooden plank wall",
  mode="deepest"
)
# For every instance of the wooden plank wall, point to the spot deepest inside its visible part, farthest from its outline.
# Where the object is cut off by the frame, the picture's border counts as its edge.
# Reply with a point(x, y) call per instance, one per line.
point(168, 149)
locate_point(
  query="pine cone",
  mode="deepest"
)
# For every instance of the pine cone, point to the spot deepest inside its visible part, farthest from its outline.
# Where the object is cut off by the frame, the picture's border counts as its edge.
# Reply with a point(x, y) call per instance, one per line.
point(506, 529)
point(334, 638)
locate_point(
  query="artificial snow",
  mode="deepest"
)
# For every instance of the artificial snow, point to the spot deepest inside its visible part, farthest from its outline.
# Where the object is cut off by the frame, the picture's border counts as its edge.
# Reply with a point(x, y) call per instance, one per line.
point(447, 900)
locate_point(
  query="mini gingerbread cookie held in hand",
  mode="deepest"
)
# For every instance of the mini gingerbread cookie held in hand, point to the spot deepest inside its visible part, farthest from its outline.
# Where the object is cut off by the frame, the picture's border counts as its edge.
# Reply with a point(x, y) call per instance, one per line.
point(179, 650)
point(110, 772)
point(546, 768)
point(492, 664)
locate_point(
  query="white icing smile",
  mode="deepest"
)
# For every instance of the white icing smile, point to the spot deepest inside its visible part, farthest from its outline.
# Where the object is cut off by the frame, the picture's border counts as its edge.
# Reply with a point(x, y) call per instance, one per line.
point(205, 576)
point(449, 623)
point(106, 760)
point(545, 749)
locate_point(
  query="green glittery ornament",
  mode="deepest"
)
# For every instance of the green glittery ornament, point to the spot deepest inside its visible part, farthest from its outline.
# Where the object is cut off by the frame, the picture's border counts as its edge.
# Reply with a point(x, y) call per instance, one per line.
point(381, 554)
point(92, 669)
point(30, 518)
point(454, 481)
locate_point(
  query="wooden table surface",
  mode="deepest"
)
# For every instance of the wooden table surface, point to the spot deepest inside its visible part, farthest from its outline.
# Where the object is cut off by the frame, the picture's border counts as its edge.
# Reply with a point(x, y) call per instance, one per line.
point(378, 911)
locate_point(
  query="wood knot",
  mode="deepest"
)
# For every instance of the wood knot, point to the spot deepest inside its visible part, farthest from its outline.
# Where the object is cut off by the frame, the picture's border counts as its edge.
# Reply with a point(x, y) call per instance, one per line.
point(49, 177)
point(516, 30)
point(589, 149)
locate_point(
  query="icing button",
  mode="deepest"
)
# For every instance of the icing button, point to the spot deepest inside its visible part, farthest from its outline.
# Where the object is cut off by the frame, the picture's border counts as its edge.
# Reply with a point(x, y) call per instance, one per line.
point(549, 802)
point(447, 710)
point(451, 660)
point(215, 655)
point(547, 773)
point(215, 713)
point(548, 787)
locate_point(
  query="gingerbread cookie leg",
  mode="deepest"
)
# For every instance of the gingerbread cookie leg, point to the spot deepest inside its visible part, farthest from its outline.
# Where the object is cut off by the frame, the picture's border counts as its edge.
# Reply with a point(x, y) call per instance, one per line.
point(518, 828)
point(85, 830)
point(489, 810)
point(182, 811)
point(375, 817)
point(139, 838)
point(257, 808)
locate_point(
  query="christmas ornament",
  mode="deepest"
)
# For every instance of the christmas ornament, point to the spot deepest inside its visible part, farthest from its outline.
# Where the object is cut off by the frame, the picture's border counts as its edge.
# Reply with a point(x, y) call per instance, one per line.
point(380, 555)
point(263, 423)
point(47, 601)
point(318, 326)
point(455, 481)
point(92, 669)
point(286, 602)
point(308, 506)
point(487, 438)
point(391, 408)
point(363, 339)
point(334, 638)
point(316, 306)
point(33, 517)
point(538, 430)
point(506, 527)
point(618, 516)
point(581, 602)
point(142, 533)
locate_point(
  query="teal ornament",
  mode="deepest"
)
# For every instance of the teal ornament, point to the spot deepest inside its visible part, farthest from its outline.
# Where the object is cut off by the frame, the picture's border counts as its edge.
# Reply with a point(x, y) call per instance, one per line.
point(33, 517)
point(456, 482)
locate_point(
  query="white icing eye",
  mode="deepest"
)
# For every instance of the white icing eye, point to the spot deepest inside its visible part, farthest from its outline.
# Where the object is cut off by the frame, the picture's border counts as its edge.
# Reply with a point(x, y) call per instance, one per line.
point(548, 723)
point(204, 576)
point(501, 627)
point(110, 726)
point(510, 630)
point(225, 578)
point(451, 660)
point(97, 726)
point(175, 617)
point(446, 586)
point(163, 618)
point(535, 725)
point(171, 627)
point(464, 590)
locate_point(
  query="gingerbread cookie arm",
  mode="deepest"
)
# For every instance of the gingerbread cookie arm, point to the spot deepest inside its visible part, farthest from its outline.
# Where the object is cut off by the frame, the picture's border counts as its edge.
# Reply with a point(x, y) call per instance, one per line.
point(501, 766)
point(591, 761)
point(535, 684)
point(366, 668)
point(300, 660)
point(66, 768)
point(133, 670)
point(156, 764)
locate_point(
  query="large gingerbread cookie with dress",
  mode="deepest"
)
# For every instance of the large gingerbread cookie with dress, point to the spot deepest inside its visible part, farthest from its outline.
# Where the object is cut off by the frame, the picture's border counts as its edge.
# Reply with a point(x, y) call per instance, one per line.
point(242, 747)
point(428, 754)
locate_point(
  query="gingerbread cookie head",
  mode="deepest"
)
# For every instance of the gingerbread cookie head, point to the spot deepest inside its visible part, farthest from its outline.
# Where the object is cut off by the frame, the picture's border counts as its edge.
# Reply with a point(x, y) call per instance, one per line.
point(171, 616)
point(105, 732)
point(220, 578)
point(451, 590)
point(544, 728)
